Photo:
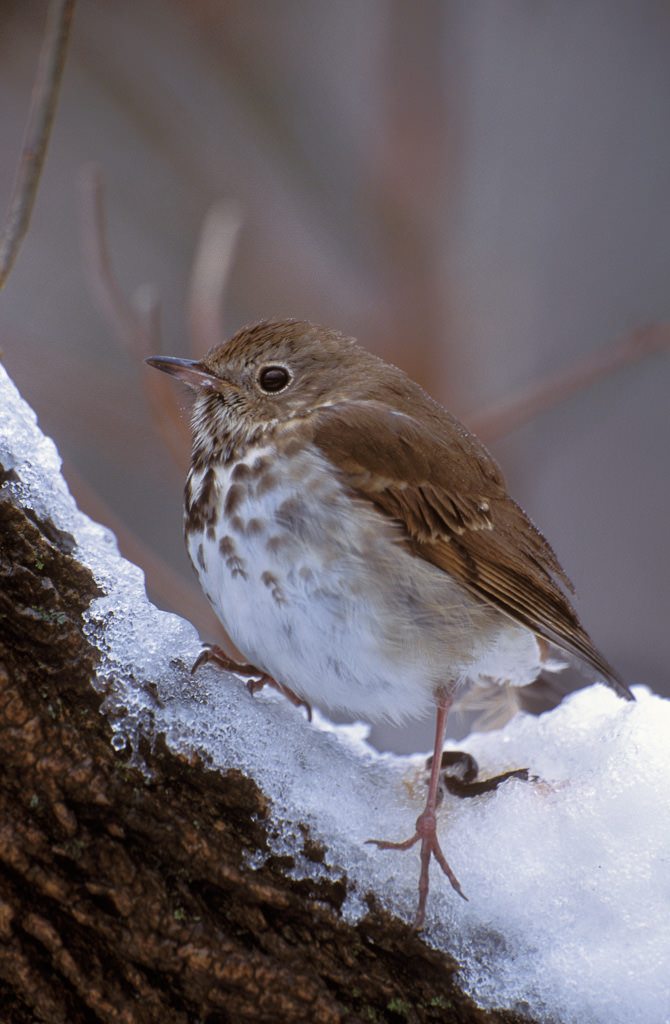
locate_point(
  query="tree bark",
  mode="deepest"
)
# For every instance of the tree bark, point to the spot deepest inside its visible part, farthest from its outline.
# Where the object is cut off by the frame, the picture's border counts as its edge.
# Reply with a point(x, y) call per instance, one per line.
point(127, 895)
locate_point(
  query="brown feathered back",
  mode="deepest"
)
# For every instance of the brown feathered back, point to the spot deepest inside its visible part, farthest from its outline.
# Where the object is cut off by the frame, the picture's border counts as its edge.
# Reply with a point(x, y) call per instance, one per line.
point(450, 496)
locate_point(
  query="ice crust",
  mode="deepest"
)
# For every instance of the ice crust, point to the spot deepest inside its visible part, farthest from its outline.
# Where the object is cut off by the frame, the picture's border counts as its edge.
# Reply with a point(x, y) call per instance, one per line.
point(568, 877)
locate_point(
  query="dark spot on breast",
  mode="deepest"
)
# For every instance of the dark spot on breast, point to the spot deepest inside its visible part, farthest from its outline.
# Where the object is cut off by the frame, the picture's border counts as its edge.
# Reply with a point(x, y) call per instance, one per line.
point(234, 498)
point(202, 509)
point(241, 473)
point(254, 527)
point(227, 546)
point(267, 481)
point(244, 471)
point(200, 557)
point(291, 512)
point(229, 554)
point(273, 585)
point(275, 543)
point(260, 464)
point(208, 488)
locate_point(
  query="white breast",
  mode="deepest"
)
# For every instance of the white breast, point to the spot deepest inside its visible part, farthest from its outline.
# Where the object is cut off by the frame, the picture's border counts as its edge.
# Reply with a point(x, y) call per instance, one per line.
point(316, 589)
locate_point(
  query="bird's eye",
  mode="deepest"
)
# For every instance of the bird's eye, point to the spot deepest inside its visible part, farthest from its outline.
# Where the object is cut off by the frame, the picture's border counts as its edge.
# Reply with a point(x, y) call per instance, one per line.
point(273, 379)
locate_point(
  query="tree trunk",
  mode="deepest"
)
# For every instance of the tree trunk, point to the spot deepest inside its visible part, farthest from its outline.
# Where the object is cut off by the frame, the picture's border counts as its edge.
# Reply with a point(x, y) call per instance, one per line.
point(127, 895)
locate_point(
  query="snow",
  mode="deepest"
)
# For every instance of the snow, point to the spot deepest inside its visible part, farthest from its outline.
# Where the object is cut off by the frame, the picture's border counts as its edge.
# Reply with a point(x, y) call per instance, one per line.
point(567, 875)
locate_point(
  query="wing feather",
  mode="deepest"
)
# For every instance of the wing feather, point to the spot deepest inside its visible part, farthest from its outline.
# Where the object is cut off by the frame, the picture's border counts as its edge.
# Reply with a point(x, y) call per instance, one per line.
point(441, 484)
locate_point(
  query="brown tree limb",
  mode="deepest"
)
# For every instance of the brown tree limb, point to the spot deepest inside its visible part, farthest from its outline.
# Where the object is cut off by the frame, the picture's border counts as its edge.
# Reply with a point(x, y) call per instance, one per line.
point(135, 329)
point(38, 132)
point(127, 895)
point(211, 270)
point(128, 326)
point(578, 375)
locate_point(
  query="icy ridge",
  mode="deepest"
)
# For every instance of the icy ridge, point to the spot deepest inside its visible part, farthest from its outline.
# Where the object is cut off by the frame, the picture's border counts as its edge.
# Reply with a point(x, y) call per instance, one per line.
point(569, 890)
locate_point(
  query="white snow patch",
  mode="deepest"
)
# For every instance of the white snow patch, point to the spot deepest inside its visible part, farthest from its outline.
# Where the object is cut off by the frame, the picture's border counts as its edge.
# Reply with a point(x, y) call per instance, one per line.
point(568, 877)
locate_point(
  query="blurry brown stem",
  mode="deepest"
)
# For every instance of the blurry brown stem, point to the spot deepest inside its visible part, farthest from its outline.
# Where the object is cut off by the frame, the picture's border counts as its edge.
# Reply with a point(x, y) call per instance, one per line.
point(558, 387)
point(129, 327)
point(146, 305)
point(211, 270)
point(136, 325)
point(38, 131)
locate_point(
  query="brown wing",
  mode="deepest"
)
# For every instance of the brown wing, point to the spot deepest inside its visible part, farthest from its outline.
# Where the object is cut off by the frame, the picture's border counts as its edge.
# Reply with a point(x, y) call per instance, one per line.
point(449, 494)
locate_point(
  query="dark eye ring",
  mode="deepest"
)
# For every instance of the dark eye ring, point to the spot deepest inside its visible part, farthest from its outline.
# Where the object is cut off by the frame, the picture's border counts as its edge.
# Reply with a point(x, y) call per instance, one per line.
point(273, 379)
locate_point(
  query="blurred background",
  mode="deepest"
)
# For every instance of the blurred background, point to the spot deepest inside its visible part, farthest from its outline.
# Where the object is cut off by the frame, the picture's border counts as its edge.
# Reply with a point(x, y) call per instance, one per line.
point(477, 192)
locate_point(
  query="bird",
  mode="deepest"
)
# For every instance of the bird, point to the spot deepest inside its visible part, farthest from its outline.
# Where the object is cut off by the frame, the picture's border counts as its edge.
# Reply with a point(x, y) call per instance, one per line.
point(359, 544)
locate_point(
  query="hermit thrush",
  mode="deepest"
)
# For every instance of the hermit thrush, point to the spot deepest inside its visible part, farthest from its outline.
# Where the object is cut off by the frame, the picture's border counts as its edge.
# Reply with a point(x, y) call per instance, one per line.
point(358, 543)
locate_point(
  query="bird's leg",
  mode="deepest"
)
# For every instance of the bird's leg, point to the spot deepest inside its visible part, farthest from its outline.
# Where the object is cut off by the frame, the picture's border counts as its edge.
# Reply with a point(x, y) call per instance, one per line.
point(426, 823)
point(215, 655)
point(256, 678)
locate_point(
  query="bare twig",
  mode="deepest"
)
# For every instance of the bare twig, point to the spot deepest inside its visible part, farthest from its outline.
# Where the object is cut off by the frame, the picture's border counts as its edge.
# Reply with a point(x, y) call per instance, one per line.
point(146, 304)
point(38, 131)
point(210, 274)
point(130, 327)
point(135, 325)
point(211, 271)
point(580, 374)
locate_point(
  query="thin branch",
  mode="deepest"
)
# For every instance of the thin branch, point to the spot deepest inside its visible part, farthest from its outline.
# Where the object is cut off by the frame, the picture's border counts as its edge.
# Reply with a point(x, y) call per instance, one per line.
point(38, 132)
point(563, 384)
point(159, 390)
point(211, 271)
point(129, 327)
point(136, 325)
point(146, 305)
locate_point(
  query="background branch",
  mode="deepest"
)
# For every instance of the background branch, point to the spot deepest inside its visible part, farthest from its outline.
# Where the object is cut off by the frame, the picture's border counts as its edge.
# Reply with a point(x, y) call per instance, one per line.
point(38, 132)
point(578, 375)
point(212, 267)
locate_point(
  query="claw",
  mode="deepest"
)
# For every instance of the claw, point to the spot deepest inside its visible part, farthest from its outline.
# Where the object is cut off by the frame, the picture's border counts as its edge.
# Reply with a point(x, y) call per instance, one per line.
point(426, 834)
point(212, 653)
point(256, 678)
point(426, 825)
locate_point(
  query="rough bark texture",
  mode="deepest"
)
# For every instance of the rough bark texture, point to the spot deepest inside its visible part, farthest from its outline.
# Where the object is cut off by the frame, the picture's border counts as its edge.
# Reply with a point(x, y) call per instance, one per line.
point(126, 897)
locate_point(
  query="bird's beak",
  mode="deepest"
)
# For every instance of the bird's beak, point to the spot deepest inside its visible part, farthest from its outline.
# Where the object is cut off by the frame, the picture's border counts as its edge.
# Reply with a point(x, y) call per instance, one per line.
point(188, 370)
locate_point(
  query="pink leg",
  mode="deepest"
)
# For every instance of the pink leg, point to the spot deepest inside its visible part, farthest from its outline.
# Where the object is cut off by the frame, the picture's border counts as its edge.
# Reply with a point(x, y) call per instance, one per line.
point(426, 823)
point(256, 679)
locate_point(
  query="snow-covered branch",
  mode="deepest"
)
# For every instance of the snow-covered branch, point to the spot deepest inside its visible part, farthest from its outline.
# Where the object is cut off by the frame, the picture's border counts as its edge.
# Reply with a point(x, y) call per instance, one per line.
point(190, 810)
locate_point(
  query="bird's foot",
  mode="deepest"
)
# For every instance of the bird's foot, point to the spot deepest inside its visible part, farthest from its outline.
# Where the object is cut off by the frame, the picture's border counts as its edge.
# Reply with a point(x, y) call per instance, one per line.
point(426, 834)
point(254, 685)
point(212, 654)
